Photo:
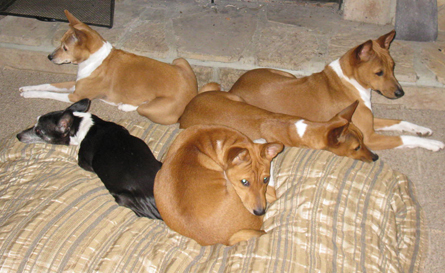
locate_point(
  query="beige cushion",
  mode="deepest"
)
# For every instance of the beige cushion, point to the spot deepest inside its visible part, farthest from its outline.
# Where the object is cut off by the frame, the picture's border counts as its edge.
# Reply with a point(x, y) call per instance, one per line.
point(333, 214)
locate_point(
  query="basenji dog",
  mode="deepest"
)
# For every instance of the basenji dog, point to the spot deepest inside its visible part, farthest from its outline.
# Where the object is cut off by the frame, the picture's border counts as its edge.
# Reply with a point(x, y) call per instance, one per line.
point(319, 96)
point(156, 90)
point(123, 162)
point(212, 185)
point(337, 135)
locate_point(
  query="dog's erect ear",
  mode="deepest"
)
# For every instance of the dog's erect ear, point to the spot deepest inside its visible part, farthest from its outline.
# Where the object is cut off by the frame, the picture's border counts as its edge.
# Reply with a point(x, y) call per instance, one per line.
point(80, 106)
point(364, 51)
point(348, 111)
point(73, 20)
point(270, 150)
point(385, 40)
point(237, 155)
point(65, 122)
point(79, 35)
point(336, 134)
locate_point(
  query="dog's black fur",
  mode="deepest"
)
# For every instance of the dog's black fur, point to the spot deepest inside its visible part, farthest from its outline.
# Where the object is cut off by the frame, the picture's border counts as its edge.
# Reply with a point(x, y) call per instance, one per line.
point(123, 162)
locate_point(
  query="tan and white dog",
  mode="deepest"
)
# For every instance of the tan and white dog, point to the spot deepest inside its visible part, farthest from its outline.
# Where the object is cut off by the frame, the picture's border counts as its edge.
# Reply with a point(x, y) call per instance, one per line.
point(156, 90)
point(212, 185)
point(319, 96)
point(338, 135)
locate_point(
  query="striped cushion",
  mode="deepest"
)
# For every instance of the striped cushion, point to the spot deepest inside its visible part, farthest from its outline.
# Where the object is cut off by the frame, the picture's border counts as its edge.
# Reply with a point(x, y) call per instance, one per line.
point(333, 214)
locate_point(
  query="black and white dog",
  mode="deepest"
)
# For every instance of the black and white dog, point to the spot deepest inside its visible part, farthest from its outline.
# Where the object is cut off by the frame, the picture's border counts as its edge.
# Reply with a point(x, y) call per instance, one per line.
point(123, 162)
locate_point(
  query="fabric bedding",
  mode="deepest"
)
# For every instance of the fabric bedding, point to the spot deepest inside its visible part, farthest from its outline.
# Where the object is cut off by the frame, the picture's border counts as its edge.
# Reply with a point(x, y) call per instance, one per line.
point(333, 214)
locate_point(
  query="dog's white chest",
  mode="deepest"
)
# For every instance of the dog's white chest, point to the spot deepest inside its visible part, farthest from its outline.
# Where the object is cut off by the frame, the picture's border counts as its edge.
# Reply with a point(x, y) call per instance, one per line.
point(94, 61)
point(365, 94)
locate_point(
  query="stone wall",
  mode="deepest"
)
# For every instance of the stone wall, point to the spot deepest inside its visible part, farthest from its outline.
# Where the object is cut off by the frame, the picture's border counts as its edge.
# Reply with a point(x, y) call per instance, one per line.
point(380, 12)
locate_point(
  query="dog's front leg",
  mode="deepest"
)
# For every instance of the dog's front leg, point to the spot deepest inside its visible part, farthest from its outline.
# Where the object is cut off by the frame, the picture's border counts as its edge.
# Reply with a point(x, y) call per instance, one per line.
point(381, 142)
point(66, 87)
point(55, 91)
point(400, 126)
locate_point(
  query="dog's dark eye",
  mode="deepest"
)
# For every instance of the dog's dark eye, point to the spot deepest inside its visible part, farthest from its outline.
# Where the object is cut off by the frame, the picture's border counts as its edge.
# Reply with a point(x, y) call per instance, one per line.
point(358, 147)
point(266, 179)
point(64, 48)
point(380, 73)
point(245, 182)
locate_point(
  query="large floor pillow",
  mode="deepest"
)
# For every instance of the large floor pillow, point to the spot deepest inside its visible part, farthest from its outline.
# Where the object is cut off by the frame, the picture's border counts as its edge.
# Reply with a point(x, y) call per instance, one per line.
point(333, 214)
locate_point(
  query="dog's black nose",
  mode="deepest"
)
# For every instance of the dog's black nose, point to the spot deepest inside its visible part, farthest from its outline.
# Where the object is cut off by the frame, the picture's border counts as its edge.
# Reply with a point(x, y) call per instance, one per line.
point(259, 212)
point(50, 57)
point(399, 93)
point(375, 157)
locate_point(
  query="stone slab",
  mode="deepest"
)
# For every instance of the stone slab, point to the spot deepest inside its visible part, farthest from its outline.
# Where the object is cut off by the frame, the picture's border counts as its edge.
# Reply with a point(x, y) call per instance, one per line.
point(147, 39)
point(370, 11)
point(32, 60)
point(204, 74)
point(416, 20)
point(433, 56)
point(289, 47)
point(25, 31)
point(223, 34)
point(228, 76)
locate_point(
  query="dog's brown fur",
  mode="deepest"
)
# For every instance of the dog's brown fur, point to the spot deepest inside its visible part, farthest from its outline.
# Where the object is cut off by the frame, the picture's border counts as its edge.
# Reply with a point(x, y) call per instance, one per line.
point(160, 91)
point(199, 190)
point(337, 135)
point(321, 95)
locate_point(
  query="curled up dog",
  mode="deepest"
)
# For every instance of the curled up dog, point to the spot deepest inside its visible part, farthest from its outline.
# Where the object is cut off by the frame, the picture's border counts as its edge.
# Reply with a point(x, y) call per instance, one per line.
point(123, 162)
point(212, 185)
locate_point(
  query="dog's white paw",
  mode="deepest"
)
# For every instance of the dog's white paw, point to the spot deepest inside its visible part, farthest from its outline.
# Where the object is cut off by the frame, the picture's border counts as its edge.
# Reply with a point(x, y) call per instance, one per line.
point(126, 107)
point(414, 142)
point(29, 94)
point(26, 88)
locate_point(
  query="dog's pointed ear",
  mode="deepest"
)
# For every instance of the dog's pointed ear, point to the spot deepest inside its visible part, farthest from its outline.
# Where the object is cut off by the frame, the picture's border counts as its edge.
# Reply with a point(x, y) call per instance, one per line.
point(270, 150)
point(364, 51)
point(237, 155)
point(336, 133)
point(71, 19)
point(78, 35)
point(65, 122)
point(80, 106)
point(385, 40)
point(348, 111)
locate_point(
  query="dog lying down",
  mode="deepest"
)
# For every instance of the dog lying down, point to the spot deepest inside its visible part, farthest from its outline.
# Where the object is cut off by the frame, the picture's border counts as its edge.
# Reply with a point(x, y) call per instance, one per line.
point(212, 186)
point(123, 162)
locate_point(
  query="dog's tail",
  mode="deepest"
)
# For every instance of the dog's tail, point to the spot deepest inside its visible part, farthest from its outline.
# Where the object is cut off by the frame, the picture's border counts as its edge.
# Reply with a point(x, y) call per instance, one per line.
point(211, 86)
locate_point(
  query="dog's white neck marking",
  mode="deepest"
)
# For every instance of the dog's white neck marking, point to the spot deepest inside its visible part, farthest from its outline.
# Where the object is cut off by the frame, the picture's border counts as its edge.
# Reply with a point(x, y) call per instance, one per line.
point(84, 127)
point(301, 127)
point(365, 94)
point(88, 66)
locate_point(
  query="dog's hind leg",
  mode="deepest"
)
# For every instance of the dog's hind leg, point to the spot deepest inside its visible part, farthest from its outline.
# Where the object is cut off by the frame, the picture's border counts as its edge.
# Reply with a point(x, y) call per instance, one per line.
point(244, 235)
point(400, 126)
point(161, 110)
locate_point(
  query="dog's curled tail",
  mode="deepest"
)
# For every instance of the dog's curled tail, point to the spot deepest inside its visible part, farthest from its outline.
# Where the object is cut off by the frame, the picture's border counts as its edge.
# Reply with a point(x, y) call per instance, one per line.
point(211, 86)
